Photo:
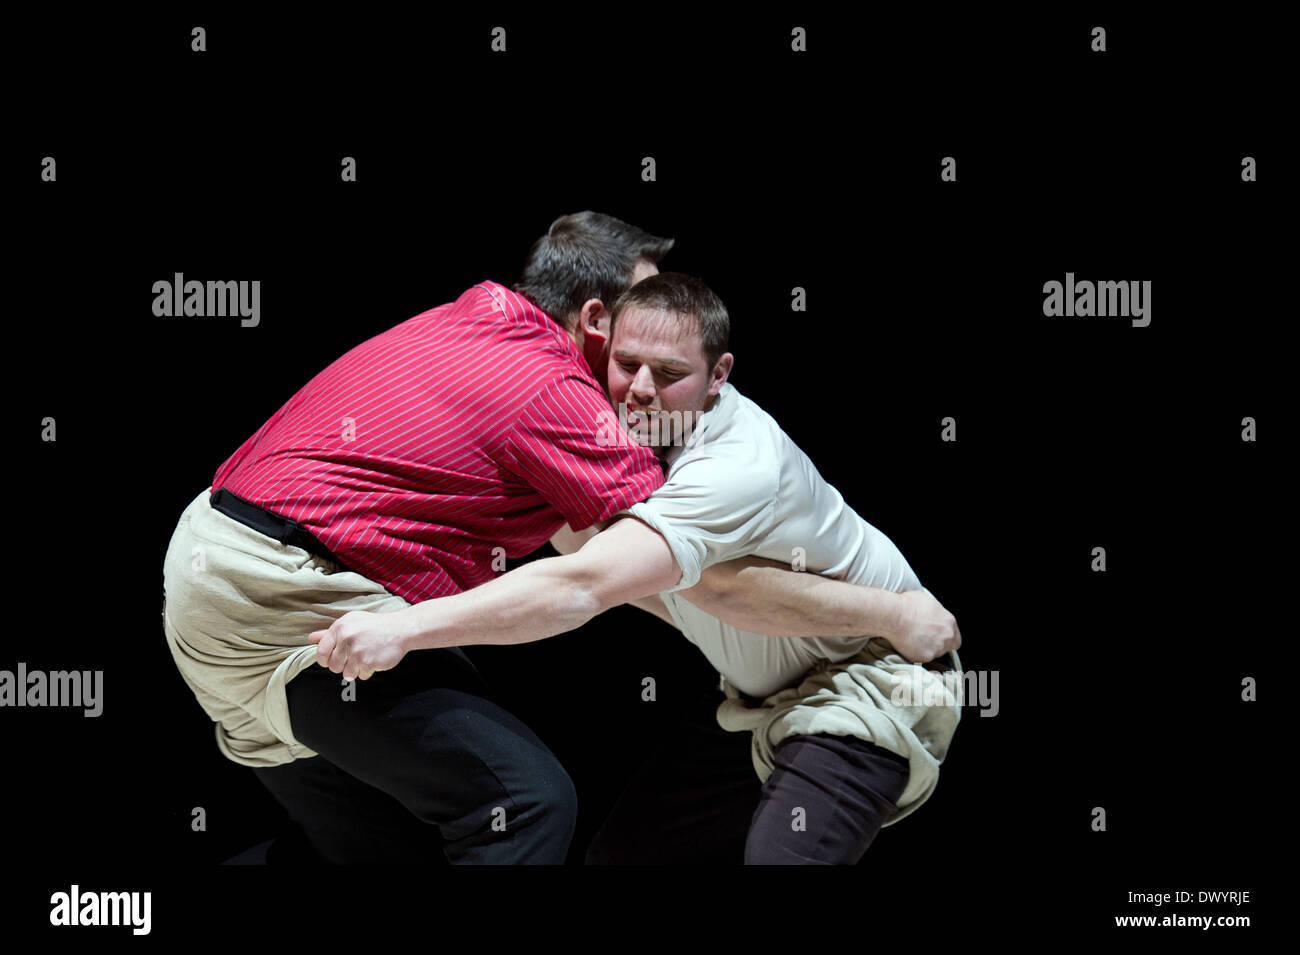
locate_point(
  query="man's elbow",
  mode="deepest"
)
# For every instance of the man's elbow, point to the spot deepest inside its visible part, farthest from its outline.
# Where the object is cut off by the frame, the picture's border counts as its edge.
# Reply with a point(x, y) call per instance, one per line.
point(718, 590)
point(577, 601)
point(588, 601)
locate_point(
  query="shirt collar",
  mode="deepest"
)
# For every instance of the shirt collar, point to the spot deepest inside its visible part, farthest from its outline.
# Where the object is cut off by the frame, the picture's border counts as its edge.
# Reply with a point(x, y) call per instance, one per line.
point(708, 422)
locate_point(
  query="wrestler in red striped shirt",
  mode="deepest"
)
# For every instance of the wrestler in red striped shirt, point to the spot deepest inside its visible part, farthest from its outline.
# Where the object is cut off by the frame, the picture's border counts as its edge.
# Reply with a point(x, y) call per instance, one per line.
point(419, 459)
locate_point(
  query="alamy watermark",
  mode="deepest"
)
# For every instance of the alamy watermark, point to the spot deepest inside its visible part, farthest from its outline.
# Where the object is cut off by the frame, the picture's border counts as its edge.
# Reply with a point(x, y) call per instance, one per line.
point(655, 429)
point(102, 908)
point(920, 686)
point(1103, 299)
point(83, 688)
point(206, 299)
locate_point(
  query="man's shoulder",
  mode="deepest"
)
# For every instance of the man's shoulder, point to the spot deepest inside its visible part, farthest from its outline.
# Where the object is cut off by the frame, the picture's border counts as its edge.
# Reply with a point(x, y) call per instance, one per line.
point(511, 308)
point(752, 414)
point(511, 303)
point(745, 432)
point(520, 331)
point(731, 458)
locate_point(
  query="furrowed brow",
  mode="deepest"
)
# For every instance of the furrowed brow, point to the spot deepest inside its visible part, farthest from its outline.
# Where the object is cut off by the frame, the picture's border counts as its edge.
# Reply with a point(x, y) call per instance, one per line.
point(673, 363)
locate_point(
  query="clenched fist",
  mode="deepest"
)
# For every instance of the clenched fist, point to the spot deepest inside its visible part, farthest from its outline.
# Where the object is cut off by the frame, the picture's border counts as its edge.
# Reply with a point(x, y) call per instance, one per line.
point(361, 643)
point(926, 631)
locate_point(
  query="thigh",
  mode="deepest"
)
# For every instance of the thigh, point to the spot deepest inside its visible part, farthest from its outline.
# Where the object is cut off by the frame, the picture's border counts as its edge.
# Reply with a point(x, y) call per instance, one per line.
point(344, 821)
point(689, 803)
point(825, 801)
point(428, 734)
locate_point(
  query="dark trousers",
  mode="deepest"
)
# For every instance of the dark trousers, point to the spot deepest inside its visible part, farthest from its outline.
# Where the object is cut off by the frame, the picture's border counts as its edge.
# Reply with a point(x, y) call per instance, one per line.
point(697, 801)
point(420, 765)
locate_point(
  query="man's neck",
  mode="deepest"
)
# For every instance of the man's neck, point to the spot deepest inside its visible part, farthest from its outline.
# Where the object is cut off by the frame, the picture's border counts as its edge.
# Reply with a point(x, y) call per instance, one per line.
point(668, 453)
point(595, 355)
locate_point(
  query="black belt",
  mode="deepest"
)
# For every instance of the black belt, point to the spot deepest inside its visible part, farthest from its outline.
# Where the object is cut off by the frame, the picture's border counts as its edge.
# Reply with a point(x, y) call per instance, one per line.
point(274, 526)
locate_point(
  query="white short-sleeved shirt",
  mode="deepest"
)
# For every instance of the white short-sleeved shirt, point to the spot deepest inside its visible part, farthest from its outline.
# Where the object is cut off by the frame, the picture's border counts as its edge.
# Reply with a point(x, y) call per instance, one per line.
point(740, 487)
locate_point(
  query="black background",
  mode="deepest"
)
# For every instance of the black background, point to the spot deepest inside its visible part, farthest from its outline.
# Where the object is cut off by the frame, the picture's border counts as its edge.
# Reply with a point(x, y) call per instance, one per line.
point(1119, 689)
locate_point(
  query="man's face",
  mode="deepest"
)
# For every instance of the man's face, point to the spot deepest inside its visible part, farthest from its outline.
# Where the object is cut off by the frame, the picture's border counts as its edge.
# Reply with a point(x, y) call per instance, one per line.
point(657, 367)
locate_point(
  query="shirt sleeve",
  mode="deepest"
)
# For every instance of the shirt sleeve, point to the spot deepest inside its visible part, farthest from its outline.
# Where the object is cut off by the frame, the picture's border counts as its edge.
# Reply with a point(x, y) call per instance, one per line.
point(568, 445)
point(709, 512)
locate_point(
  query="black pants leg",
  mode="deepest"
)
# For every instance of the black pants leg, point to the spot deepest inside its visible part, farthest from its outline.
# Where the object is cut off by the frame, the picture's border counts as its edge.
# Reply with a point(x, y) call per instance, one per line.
point(341, 820)
point(824, 802)
point(423, 743)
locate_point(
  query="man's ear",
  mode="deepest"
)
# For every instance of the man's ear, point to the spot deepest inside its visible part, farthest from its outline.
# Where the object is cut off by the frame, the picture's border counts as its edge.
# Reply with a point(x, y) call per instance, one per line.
point(720, 372)
point(593, 321)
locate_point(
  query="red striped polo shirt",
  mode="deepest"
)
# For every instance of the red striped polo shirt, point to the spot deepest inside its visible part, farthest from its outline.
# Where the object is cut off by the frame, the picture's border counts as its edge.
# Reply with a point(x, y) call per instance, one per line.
point(420, 457)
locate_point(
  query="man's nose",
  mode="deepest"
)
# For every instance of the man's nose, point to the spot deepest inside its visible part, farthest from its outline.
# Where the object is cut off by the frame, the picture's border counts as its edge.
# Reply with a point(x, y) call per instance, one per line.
point(643, 385)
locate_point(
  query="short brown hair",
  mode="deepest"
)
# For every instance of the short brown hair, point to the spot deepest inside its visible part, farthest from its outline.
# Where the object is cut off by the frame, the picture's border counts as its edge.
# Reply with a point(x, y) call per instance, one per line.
point(681, 294)
point(583, 256)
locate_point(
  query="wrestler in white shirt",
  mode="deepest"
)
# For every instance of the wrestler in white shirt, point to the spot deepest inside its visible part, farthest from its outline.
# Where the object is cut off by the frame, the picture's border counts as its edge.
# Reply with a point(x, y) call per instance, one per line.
point(740, 488)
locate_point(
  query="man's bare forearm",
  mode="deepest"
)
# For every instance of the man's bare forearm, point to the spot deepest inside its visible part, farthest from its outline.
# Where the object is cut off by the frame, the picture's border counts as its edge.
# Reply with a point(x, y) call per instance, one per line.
point(532, 602)
point(626, 562)
point(768, 598)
